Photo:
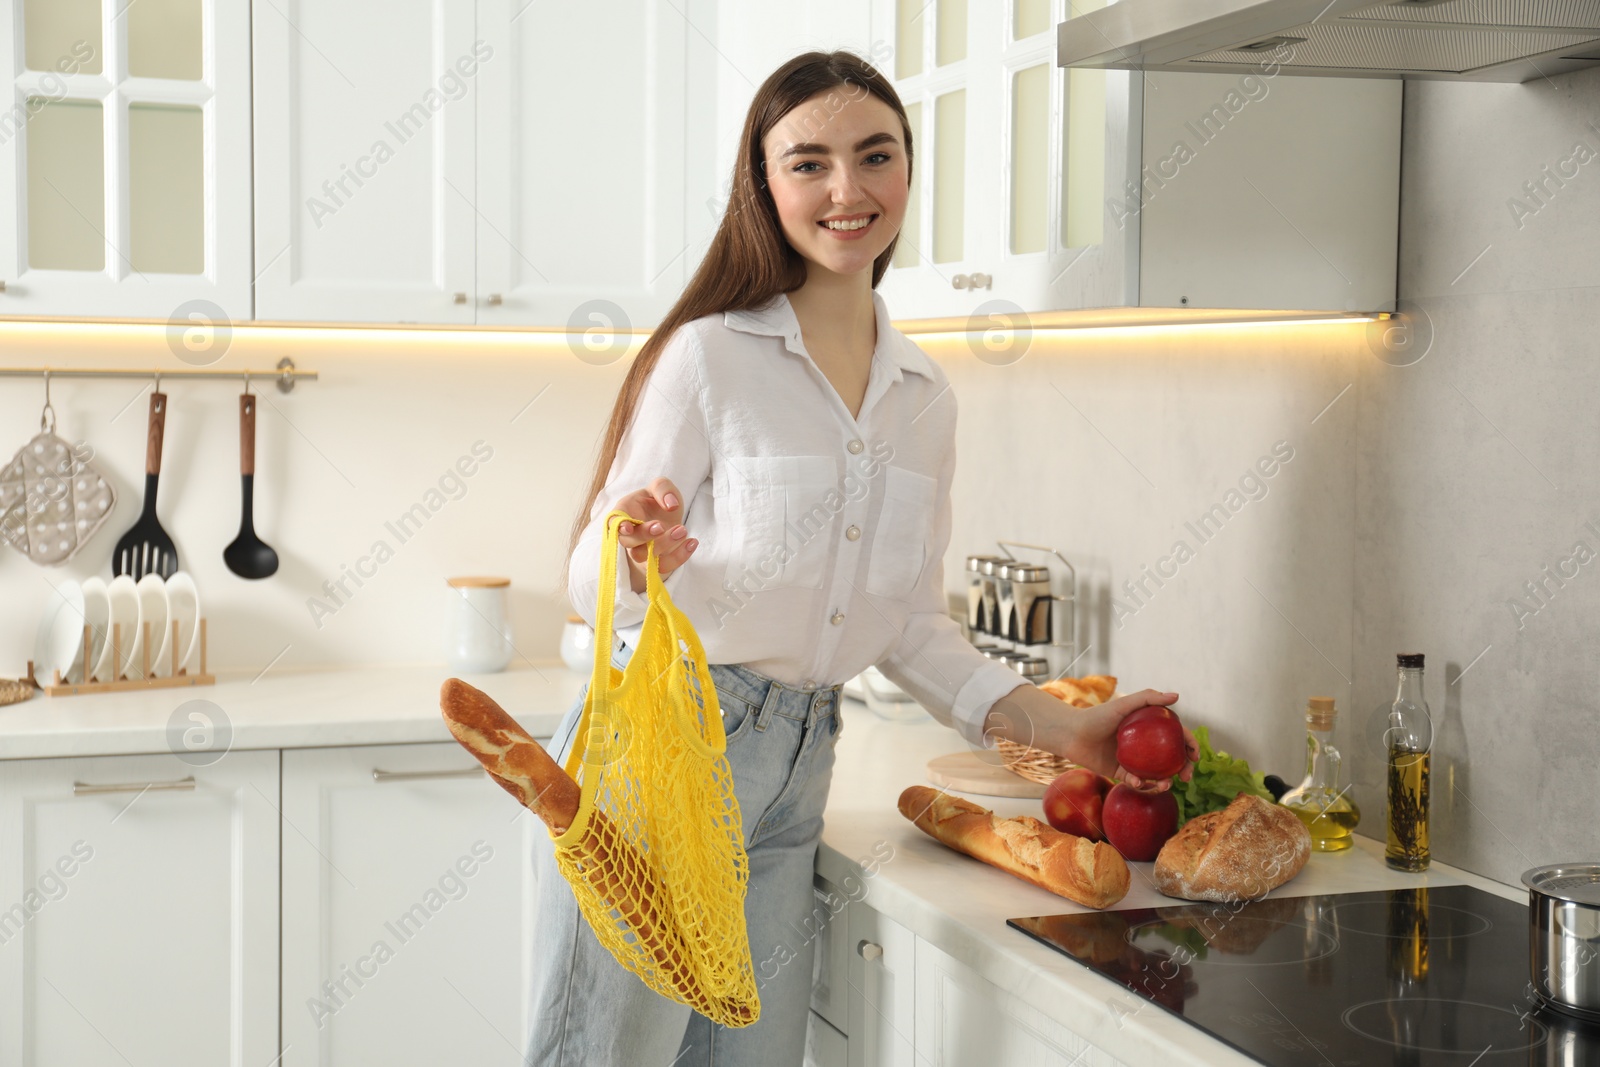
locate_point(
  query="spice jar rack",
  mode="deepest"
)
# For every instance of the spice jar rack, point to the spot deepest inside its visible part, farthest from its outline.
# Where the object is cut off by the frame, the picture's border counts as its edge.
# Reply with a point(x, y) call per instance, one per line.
point(1052, 651)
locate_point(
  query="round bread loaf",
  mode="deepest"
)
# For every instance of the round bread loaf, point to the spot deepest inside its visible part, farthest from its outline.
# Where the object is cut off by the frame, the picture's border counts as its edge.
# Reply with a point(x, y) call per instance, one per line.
point(1242, 852)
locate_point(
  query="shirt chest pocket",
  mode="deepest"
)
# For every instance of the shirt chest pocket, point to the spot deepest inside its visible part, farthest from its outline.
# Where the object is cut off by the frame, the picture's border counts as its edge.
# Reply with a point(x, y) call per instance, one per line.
point(780, 512)
point(905, 527)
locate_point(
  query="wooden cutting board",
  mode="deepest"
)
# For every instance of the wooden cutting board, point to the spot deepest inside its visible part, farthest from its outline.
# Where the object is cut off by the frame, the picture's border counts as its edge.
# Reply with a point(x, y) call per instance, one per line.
point(969, 772)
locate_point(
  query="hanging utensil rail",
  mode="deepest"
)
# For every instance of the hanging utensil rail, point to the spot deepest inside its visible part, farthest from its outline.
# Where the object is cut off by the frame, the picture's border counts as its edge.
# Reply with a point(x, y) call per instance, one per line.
point(286, 374)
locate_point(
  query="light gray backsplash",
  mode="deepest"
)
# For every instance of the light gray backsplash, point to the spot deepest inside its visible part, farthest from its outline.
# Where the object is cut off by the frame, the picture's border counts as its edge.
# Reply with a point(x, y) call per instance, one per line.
point(1109, 448)
point(1477, 468)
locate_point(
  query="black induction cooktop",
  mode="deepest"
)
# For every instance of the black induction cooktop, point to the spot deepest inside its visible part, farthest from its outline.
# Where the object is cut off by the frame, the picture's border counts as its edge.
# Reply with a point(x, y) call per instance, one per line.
point(1411, 977)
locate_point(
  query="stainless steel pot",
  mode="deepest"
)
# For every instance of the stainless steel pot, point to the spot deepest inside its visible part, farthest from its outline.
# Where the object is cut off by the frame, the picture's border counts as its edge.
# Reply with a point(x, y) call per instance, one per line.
point(1564, 936)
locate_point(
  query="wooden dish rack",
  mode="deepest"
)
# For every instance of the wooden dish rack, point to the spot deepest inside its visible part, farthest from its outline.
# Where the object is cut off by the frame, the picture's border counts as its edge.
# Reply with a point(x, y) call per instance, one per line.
point(119, 682)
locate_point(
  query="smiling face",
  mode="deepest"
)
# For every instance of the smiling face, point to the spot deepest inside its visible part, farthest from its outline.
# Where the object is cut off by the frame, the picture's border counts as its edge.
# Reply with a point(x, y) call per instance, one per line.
point(836, 166)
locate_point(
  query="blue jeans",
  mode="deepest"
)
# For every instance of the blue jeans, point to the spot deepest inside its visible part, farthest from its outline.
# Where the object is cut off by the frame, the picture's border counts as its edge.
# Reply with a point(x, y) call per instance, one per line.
point(589, 1011)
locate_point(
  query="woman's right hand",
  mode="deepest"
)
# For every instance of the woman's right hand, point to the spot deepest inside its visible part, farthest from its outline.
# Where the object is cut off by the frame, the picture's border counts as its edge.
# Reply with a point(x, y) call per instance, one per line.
point(660, 505)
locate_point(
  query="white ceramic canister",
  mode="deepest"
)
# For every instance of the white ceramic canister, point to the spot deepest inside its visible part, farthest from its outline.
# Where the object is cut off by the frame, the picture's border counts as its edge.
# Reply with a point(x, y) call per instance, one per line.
point(577, 645)
point(479, 636)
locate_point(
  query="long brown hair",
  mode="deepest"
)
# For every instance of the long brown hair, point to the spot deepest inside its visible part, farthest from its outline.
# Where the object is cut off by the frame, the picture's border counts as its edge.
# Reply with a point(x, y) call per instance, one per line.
point(750, 261)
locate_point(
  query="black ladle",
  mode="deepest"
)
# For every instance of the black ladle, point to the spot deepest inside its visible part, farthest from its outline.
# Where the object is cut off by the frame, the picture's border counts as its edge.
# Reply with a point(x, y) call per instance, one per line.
point(249, 556)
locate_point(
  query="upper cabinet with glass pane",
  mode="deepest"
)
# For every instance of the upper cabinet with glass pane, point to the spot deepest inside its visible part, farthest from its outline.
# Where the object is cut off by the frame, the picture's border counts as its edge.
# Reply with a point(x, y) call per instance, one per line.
point(125, 160)
point(1040, 189)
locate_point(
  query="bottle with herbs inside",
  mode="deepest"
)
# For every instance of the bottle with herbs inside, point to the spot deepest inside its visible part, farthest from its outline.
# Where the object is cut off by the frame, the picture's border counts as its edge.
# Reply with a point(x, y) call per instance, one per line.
point(1320, 802)
point(1408, 740)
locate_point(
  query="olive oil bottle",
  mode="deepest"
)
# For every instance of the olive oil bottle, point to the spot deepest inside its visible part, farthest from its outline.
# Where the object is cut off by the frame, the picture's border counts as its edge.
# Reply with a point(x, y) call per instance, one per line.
point(1408, 740)
point(1321, 804)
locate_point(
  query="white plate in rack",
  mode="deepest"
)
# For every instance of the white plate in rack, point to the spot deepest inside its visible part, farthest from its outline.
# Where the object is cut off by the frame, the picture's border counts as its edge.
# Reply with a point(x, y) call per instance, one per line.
point(97, 614)
point(124, 594)
point(183, 606)
point(57, 645)
point(153, 612)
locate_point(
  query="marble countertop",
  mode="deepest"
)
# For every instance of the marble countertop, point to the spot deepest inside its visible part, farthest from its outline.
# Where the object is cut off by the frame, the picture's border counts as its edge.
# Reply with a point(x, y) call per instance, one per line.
point(961, 905)
point(301, 709)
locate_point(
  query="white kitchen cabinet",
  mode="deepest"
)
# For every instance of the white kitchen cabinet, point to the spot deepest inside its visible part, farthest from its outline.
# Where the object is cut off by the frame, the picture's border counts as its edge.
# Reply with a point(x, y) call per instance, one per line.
point(882, 1015)
point(830, 965)
point(125, 160)
point(943, 64)
point(465, 162)
point(1040, 190)
point(963, 1019)
point(408, 907)
point(825, 1046)
point(582, 205)
point(140, 920)
point(364, 160)
point(1010, 161)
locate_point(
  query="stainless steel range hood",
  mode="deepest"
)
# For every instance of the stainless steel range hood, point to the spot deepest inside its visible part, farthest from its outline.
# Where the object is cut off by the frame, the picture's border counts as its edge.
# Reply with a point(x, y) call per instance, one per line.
point(1449, 40)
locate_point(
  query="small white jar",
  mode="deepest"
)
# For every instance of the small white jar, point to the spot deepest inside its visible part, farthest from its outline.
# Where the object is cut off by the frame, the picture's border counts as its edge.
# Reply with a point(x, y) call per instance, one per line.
point(577, 645)
point(479, 635)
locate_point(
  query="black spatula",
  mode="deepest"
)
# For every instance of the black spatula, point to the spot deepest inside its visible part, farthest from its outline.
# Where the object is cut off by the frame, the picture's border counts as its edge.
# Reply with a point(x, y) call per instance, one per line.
point(146, 549)
point(248, 556)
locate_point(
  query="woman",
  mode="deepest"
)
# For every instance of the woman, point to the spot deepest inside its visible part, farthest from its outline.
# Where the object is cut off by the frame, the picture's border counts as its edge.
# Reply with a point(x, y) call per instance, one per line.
point(790, 453)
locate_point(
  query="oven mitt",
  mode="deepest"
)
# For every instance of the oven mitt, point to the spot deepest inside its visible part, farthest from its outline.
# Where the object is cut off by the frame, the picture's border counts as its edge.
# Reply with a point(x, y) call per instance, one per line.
point(51, 502)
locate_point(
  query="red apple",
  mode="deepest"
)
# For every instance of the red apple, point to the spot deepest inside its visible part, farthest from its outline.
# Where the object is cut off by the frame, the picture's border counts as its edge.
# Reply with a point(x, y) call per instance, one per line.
point(1139, 821)
point(1150, 742)
point(1072, 803)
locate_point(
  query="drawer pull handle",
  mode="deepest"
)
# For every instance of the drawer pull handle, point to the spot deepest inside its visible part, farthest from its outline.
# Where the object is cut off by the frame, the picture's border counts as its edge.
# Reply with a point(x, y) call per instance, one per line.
point(417, 776)
point(85, 789)
point(869, 951)
point(461, 298)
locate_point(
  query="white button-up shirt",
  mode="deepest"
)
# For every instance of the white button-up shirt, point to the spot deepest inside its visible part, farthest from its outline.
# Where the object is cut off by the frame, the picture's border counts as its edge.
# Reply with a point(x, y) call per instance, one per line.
point(822, 536)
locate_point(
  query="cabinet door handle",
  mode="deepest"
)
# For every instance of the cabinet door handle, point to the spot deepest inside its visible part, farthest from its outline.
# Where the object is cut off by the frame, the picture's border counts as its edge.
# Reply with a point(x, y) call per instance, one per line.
point(495, 300)
point(461, 298)
point(85, 789)
point(868, 950)
point(417, 776)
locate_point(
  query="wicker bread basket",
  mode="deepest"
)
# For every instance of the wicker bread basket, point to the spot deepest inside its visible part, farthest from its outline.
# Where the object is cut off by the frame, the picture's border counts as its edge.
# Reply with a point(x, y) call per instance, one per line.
point(1034, 764)
point(14, 692)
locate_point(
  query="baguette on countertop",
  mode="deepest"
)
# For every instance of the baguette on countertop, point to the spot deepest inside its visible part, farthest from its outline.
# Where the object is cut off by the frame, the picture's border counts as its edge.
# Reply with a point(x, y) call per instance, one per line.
point(1242, 852)
point(1088, 872)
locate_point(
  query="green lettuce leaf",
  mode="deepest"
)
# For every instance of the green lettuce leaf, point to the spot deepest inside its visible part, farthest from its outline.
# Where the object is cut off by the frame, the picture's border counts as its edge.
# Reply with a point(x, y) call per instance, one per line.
point(1217, 779)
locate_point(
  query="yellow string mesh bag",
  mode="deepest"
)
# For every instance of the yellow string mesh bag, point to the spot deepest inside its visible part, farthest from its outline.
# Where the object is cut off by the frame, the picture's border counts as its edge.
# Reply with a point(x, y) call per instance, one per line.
point(656, 853)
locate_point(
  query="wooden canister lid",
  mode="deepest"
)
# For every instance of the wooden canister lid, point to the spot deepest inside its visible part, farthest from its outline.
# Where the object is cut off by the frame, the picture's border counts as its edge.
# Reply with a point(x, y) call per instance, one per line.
point(478, 582)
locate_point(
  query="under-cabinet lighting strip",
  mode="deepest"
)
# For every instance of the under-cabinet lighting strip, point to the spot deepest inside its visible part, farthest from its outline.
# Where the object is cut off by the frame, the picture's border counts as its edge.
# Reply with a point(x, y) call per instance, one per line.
point(1066, 331)
point(556, 337)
